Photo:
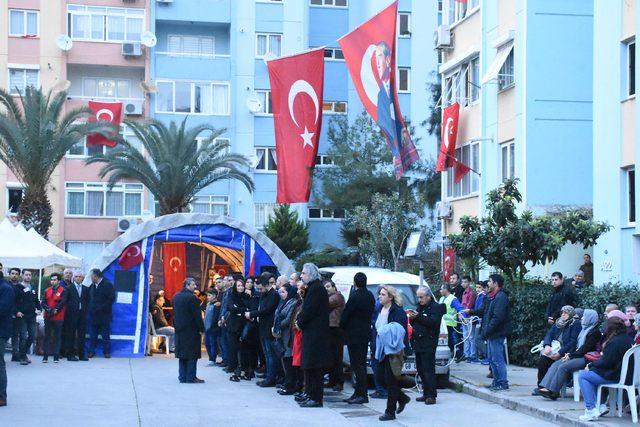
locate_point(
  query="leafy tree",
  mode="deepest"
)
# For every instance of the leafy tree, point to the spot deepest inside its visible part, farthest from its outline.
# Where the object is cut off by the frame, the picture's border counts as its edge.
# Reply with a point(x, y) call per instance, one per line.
point(34, 138)
point(290, 233)
point(509, 242)
point(178, 166)
point(434, 121)
point(329, 256)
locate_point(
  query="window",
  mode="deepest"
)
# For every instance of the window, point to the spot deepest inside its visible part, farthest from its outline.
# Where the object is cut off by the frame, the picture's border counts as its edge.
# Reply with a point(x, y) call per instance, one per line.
point(215, 205)
point(97, 200)
point(14, 198)
point(333, 53)
point(334, 107)
point(508, 151)
point(469, 155)
point(87, 251)
point(265, 100)
point(631, 61)
point(266, 159)
point(473, 80)
point(207, 98)
point(631, 199)
point(191, 45)
point(458, 10)
point(92, 23)
point(20, 78)
point(404, 24)
point(23, 23)
point(325, 214)
point(440, 22)
point(268, 44)
point(97, 87)
point(262, 212)
point(506, 75)
point(404, 80)
point(81, 149)
point(463, 84)
point(324, 160)
point(329, 3)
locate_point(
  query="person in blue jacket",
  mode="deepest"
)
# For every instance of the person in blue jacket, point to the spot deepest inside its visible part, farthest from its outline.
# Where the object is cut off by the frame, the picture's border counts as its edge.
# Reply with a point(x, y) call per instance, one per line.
point(7, 309)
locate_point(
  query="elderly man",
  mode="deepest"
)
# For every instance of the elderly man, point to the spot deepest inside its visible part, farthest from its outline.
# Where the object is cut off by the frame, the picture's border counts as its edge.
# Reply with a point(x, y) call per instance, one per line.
point(7, 310)
point(189, 327)
point(578, 280)
point(426, 322)
point(294, 278)
point(75, 321)
point(313, 321)
point(102, 295)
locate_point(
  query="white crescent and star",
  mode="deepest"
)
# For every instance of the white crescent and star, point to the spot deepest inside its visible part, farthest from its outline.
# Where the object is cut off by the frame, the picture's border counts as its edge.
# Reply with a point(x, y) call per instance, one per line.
point(369, 82)
point(303, 86)
point(448, 131)
point(104, 111)
point(175, 258)
point(137, 248)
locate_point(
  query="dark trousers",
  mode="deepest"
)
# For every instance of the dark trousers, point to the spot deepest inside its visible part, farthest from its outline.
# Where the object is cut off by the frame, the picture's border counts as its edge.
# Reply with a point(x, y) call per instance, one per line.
point(394, 393)
point(25, 328)
point(211, 338)
point(52, 337)
point(426, 367)
point(336, 342)
point(76, 329)
point(315, 383)
point(104, 330)
point(290, 374)
point(187, 370)
point(233, 350)
point(358, 362)
point(3, 370)
point(271, 360)
point(544, 363)
point(224, 343)
point(451, 337)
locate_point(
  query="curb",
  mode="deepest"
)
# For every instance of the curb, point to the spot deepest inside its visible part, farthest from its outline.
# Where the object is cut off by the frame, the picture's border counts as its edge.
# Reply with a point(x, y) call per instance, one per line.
point(460, 385)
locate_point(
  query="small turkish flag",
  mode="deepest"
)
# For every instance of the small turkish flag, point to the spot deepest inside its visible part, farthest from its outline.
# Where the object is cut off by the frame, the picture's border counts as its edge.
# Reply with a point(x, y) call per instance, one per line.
point(296, 90)
point(108, 112)
point(448, 263)
point(460, 171)
point(131, 256)
point(449, 136)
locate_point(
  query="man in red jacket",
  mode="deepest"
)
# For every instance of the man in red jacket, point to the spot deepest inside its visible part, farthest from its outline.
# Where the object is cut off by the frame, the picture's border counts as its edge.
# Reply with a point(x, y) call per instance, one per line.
point(53, 306)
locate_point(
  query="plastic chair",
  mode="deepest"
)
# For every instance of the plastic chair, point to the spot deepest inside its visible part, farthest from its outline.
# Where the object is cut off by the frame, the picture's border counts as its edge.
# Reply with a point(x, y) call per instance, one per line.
point(151, 343)
point(618, 389)
point(576, 387)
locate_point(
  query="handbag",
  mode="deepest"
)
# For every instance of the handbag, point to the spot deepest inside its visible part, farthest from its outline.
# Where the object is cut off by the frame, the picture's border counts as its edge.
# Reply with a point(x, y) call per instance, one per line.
point(592, 356)
point(396, 361)
point(248, 331)
point(555, 347)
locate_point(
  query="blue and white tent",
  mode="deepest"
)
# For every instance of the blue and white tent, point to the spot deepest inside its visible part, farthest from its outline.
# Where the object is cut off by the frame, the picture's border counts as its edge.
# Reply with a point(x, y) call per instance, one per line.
point(129, 327)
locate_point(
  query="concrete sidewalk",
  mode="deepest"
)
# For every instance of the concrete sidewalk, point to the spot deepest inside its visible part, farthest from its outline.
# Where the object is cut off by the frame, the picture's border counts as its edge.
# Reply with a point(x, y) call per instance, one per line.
point(472, 379)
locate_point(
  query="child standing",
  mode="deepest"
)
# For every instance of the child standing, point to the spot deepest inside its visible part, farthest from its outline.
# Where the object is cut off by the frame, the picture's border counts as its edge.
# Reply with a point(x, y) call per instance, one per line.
point(211, 327)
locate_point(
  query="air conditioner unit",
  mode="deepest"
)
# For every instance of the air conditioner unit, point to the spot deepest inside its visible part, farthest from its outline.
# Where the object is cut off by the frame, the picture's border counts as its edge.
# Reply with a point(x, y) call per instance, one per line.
point(131, 49)
point(165, 1)
point(442, 37)
point(445, 210)
point(133, 108)
point(126, 222)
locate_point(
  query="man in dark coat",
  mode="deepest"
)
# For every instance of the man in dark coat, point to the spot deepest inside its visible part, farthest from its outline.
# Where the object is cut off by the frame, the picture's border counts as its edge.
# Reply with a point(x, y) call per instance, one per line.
point(102, 295)
point(189, 326)
point(313, 321)
point(563, 294)
point(27, 307)
point(426, 321)
point(7, 310)
point(75, 317)
point(356, 323)
point(496, 326)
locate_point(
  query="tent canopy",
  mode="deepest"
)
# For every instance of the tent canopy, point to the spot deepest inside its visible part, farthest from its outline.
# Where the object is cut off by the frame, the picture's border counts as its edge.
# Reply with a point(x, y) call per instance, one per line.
point(28, 249)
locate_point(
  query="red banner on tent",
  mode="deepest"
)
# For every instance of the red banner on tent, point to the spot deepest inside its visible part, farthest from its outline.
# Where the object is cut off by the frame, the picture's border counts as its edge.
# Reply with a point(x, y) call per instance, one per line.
point(447, 153)
point(131, 256)
point(369, 51)
point(174, 262)
point(296, 90)
point(104, 111)
point(448, 263)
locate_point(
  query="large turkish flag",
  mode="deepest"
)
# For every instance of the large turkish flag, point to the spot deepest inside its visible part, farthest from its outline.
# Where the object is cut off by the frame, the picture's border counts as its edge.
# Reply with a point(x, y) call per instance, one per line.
point(446, 157)
point(131, 256)
point(369, 51)
point(296, 90)
point(174, 261)
point(105, 111)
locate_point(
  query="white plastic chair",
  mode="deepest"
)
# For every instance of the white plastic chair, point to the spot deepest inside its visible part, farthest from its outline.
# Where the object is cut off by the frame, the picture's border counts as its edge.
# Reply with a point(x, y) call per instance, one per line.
point(153, 336)
point(617, 389)
point(576, 387)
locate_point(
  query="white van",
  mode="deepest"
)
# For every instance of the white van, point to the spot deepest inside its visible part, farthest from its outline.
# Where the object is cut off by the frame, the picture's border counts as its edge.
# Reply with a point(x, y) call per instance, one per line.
point(407, 284)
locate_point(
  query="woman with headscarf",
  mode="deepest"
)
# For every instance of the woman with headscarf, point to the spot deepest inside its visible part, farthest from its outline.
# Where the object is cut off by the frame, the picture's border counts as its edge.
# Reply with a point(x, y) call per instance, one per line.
point(565, 330)
point(561, 370)
point(282, 334)
point(237, 305)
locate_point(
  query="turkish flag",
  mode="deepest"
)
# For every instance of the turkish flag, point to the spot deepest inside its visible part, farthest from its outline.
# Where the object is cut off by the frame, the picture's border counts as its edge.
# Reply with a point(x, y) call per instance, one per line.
point(460, 170)
point(448, 263)
point(174, 262)
point(296, 90)
point(369, 51)
point(447, 154)
point(131, 256)
point(104, 111)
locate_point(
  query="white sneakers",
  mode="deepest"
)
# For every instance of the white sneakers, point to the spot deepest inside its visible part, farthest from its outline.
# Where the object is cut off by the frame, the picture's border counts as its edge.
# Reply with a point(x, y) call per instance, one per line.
point(590, 415)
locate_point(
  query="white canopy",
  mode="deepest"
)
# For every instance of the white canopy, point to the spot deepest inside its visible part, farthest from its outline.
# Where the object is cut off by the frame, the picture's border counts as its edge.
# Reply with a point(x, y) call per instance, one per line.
point(27, 249)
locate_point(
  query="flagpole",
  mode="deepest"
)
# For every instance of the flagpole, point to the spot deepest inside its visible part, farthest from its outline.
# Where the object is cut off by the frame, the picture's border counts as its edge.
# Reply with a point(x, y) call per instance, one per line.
point(452, 157)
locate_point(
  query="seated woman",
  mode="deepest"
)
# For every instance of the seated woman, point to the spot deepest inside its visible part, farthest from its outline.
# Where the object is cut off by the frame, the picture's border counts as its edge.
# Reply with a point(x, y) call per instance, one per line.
point(605, 370)
point(565, 330)
point(560, 371)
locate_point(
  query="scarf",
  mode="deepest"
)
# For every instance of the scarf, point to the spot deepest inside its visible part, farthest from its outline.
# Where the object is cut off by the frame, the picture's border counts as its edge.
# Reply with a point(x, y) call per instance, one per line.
point(561, 322)
point(620, 315)
point(589, 321)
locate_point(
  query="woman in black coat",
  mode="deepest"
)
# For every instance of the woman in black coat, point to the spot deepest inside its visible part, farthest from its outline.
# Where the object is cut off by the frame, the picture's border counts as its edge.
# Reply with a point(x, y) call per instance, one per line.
point(237, 305)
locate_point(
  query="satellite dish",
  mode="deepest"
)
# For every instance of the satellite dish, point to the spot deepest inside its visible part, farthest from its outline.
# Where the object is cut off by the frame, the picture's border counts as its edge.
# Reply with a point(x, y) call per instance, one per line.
point(148, 39)
point(148, 87)
point(254, 104)
point(64, 42)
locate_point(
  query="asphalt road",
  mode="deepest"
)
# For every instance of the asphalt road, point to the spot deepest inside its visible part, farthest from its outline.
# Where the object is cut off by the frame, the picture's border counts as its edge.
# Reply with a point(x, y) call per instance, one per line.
point(146, 392)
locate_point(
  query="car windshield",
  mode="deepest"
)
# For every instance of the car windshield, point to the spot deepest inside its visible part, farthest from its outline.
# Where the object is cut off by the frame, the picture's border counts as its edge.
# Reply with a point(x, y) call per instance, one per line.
point(408, 292)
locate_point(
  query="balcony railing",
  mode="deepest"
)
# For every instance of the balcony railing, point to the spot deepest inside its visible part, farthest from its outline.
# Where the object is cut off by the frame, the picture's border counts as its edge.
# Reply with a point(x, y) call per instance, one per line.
point(193, 55)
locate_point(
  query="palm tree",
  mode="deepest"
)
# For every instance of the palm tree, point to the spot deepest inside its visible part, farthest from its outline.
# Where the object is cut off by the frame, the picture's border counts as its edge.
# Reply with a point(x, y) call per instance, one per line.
point(34, 137)
point(178, 166)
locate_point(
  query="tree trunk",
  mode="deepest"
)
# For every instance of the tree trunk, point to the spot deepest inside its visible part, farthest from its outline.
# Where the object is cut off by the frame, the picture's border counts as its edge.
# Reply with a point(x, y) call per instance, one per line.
point(35, 210)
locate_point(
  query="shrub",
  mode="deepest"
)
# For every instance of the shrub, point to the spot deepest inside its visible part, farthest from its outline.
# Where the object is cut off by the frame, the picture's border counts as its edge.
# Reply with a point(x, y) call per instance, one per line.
point(329, 256)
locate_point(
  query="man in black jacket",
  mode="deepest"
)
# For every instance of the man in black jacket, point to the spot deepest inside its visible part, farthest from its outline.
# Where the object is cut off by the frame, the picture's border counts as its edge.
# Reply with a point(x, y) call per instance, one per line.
point(27, 306)
point(14, 281)
point(269, 300)
point(563, 294)
point(496, 325)
point(102, 295)
point(426, 323)
point(75, 317)
point(7, 310)
point(356, 323)
point(188, 323)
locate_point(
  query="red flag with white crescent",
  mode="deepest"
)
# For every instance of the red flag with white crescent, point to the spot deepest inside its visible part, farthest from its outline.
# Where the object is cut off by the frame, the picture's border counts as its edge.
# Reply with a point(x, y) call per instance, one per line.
point(448, 263)
point(131, 256)
point(369, 51)
point(449, 136)
point(104, 111)
point(460, 170)
point(296, 89)
point(174, 262)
